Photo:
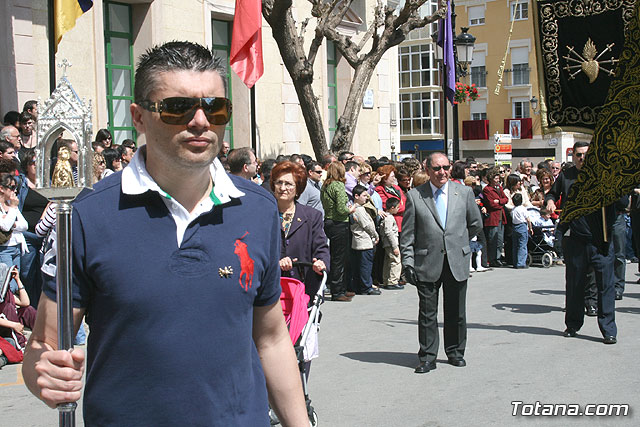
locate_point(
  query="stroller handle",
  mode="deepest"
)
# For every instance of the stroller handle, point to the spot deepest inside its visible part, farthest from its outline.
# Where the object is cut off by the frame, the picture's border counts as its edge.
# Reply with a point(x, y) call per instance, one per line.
point(323, 283)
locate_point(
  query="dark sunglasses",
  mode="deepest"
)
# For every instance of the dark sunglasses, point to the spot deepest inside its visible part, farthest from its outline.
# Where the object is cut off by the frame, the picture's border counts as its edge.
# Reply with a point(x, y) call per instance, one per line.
point(578, 155)
point(437, 168)
point(180, 110)
point(10, 187)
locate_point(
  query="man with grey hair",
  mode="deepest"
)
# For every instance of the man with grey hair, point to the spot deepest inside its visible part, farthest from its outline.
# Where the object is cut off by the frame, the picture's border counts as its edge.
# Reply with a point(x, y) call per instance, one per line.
point(440, 218)
point(556, 168)
point(243, 162)
point(198, 248)
point(529, 180)
point(11, 134)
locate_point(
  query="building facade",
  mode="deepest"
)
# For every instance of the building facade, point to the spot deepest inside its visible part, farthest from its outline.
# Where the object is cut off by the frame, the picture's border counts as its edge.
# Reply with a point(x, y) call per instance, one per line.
point(511, 110)
point(107, 39)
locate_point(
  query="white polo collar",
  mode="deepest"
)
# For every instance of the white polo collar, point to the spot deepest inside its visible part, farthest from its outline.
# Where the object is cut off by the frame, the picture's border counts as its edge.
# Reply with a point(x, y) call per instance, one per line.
point(136, 179)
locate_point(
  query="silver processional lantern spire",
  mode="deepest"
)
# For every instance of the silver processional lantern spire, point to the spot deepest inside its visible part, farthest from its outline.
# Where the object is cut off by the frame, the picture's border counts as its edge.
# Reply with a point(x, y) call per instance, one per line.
point(63, 112)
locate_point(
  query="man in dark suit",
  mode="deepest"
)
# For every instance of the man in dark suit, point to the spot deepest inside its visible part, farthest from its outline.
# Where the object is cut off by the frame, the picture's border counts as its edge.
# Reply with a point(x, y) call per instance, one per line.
point(441, 217)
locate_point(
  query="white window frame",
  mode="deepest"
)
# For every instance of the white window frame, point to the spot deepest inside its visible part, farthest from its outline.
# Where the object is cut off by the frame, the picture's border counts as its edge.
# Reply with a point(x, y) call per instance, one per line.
point(522, 6)
point(524, 106)
point(475, 17)
point(418, 50)
point(416, 100)
point(478, 109)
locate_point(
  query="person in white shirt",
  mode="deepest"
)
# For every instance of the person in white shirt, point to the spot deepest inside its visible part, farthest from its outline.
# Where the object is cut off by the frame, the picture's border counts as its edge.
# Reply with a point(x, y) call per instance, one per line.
point(521, 230)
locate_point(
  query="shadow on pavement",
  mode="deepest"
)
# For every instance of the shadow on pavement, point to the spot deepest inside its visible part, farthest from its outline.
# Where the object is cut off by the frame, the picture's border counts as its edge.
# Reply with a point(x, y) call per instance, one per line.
point(631, 295)
point(630, 310)
point(527, 308)
point(547, 292)
point(522, 329)
point(406, 360)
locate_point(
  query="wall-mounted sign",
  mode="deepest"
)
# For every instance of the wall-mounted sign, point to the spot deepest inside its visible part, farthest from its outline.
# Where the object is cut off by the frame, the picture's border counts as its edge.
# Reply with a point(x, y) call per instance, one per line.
point(367, 99)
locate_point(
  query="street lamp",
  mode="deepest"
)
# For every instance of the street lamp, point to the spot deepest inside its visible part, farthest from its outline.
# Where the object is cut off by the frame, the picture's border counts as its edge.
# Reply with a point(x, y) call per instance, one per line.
point(464, 49)
point(463, 43)
point(534, 105)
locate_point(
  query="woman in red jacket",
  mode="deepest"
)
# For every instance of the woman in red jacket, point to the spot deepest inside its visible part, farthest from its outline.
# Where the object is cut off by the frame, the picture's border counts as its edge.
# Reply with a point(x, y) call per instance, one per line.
point(389, 188)
point(494, 201)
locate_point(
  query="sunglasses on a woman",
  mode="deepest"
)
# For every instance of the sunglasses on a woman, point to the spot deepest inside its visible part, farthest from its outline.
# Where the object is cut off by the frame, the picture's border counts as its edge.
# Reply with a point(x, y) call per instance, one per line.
point(180, 110)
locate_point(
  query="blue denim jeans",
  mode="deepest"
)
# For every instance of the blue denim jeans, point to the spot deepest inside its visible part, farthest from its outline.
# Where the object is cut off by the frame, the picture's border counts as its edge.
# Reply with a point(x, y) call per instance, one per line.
point(362, 265)
point(519, 238)
point(10, 255)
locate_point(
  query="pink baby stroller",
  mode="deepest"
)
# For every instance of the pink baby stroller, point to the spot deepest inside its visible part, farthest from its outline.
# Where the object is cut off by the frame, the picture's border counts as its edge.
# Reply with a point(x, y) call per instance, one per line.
point(302, 314)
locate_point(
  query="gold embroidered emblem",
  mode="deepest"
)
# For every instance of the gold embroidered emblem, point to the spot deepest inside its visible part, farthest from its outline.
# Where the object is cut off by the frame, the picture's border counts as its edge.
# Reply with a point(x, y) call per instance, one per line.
point(588, 62)
point(225, 272)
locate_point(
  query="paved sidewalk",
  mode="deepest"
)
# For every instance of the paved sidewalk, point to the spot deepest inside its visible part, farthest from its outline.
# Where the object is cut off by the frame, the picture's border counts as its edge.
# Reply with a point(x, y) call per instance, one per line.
point(515, 352)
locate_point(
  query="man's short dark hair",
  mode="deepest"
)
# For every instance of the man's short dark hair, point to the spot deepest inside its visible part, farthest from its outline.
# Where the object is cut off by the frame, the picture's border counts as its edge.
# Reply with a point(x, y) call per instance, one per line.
point(359, 189)
point(129, 143)
point(122, 150)
point(29, 105)
point(266, 167)
point(25, 116)
point(392, 202)
point(174, 56)
point(579, 144)
point(350, 165)
point(237, 158)
point(306, 159)
point(4, 146)
point(345, 155)
point(11, 118)
point(282, 158)
point(96, 144)
point(295, 157)
point(312, 165)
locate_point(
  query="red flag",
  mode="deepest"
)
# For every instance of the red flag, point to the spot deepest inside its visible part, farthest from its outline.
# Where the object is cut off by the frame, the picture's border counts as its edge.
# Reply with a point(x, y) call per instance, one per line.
point(246, 41)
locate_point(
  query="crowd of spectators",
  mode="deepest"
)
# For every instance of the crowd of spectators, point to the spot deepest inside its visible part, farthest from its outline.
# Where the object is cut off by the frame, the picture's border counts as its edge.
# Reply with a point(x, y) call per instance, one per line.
point(362, 203)
point(341, 214)
point(27, 219)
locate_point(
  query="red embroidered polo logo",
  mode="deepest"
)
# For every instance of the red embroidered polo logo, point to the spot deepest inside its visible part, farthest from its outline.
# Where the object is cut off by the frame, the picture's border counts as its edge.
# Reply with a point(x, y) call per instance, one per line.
point(246, 263)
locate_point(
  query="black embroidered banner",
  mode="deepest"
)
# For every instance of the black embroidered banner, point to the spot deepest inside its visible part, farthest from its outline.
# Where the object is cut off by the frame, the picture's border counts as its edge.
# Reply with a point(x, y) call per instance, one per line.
point(612, 165)
point(578, 44)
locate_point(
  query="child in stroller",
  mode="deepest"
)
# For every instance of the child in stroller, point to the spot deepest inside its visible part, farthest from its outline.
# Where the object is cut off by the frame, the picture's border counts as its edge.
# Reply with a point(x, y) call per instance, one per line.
point(541, 242)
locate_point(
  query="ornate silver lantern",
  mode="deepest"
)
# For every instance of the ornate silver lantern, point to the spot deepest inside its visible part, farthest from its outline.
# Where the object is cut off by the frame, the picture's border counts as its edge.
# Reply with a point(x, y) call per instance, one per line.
point(63, 111)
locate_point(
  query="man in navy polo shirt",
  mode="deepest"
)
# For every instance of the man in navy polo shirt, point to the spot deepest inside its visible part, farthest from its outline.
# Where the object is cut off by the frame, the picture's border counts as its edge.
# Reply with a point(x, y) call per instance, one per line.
point(190, 330)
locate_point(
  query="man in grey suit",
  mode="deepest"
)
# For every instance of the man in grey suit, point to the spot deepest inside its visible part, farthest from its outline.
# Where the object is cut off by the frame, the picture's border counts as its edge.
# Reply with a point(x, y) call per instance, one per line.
point(440, 218)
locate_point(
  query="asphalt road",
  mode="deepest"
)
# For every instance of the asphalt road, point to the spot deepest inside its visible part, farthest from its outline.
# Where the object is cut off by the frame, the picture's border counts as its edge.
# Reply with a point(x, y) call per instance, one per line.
point(515, 352)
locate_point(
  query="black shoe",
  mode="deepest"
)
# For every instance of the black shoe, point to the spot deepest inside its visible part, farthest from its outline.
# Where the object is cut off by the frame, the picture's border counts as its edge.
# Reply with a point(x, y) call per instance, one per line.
point(393, 287)
point(570, 332)
point(425, 367)
point(457, 361)
point(341, 298)
point(609, 340)
point(495, 264)
point(618, 296)
point(370, 292)
point(591, 310)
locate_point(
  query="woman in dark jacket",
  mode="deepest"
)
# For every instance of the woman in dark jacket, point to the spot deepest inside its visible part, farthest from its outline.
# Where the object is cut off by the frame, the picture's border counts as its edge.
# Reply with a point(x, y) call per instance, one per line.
point(302, 233)
point(494, 201)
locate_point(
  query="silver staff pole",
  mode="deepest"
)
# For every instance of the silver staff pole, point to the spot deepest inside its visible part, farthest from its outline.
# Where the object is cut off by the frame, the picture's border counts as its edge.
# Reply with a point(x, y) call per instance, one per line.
point(64, 292)
point(64, 120)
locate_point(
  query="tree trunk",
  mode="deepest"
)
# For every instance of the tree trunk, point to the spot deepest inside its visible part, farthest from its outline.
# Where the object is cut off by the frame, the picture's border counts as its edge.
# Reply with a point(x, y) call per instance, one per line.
point(283, 28)
point(348, 120)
